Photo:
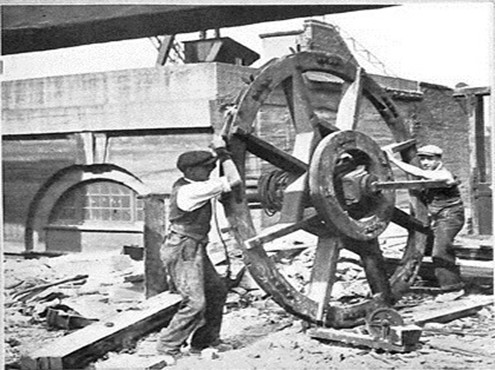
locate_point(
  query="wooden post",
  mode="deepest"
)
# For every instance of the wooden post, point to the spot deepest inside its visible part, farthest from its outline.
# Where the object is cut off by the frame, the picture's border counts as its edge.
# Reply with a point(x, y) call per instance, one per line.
point(480, 137)
point(154, 234)
point(100, 149)
point(471, 106)
point(164, 49)
point(85, 142)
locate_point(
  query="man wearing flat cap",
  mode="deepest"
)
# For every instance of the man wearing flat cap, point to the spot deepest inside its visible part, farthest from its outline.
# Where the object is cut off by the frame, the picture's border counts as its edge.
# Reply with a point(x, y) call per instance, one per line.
point(446, 212)
point(184, 256)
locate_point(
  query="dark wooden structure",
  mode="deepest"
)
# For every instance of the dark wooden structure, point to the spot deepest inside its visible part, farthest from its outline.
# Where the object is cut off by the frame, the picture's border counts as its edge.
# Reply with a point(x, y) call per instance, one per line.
point(29, 28)
point(475, 103)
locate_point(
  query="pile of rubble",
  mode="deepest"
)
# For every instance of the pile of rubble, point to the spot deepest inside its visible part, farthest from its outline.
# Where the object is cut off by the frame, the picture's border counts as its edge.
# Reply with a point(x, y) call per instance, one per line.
point(47, 299)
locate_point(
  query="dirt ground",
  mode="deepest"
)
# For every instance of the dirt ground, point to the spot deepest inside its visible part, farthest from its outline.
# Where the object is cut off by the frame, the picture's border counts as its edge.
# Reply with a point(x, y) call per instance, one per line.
point(263, 336)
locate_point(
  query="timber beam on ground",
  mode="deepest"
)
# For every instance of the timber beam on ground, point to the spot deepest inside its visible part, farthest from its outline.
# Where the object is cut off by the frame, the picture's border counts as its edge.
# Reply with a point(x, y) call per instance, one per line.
point(79, 348)
point(479, 271)
point(449, 311)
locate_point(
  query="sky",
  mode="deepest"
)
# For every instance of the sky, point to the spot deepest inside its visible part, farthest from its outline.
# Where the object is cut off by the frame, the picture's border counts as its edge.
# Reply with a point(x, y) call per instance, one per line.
point(443, 43)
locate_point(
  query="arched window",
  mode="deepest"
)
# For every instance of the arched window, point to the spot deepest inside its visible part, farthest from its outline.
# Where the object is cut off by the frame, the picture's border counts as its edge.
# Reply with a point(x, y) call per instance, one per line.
point(98, 202)
point(94, 216)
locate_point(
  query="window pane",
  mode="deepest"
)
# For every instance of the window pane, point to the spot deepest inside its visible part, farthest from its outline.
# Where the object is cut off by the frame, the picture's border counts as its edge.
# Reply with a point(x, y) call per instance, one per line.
point(105, 214)
point(116, 202)
point(105, 188)
point(93, 188)
point(116, 215)
point(95, 214)
point(126, 215)
point(105, 201)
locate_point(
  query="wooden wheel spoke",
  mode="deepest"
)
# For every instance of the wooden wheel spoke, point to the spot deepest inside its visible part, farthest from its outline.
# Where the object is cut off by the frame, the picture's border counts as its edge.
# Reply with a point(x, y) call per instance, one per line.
point(295, 199)
point(272, 154)
point(279, 230)
point(374, 265)
point(348, 112)
point(296, 194)
point(300, 108)
point(323, 274)
point(409, 222)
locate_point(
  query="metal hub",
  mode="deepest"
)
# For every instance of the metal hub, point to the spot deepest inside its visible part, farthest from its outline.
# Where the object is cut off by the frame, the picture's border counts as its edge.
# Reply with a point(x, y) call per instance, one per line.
point(379, 322)
point(345, 200)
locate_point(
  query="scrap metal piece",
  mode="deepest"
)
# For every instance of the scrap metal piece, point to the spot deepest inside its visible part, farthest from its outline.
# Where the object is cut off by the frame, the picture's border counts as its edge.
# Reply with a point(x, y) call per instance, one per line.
point(381, 320)
point(65, 320)
point(386, 331)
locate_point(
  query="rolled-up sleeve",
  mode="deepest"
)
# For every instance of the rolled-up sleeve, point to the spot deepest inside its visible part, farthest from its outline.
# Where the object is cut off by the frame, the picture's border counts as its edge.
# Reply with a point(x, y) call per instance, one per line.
point(196, 194)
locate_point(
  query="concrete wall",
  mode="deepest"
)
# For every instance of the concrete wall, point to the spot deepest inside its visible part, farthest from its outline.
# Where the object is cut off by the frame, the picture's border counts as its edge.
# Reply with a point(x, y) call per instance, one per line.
point(128, 99)
point(176, 109)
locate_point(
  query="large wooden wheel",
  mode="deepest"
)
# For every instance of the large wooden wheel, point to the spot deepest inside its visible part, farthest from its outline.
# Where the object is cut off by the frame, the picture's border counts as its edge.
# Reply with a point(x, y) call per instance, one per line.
point(338, 185)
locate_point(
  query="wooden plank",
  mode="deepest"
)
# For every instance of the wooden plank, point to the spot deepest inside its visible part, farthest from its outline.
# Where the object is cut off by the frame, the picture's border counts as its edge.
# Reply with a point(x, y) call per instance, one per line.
point(42, 287)
point(78, 349)
point(479, 271)
point(33, 254)
point(479, 253)
point(451, 311)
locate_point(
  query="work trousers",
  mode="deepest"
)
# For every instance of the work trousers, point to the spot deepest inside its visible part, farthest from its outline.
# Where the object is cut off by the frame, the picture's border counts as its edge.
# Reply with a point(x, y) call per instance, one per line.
point(193, 276)
point(446, 224)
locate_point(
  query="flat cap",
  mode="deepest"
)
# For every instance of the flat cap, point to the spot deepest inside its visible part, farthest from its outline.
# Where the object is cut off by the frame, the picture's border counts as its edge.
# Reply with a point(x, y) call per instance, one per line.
point(195, 158)
point(430, 151)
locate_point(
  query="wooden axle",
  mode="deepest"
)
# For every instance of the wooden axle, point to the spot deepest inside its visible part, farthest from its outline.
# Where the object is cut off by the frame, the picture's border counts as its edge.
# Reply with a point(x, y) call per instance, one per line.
point(408, 184)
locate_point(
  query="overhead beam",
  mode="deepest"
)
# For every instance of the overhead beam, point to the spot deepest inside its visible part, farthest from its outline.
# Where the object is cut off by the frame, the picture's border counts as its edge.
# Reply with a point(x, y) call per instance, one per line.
point(465, 91)
point(27, 28)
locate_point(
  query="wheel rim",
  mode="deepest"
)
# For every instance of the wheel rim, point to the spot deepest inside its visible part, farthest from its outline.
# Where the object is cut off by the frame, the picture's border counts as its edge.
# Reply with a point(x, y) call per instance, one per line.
point(312, 134)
